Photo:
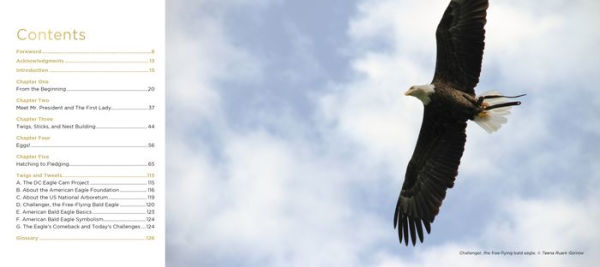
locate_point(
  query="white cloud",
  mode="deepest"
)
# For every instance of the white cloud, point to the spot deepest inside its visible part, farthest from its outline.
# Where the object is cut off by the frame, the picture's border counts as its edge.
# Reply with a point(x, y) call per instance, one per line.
point(270, 200)
point(536, 225)
point(259, 199)
point(551, 224)
point(200, 55)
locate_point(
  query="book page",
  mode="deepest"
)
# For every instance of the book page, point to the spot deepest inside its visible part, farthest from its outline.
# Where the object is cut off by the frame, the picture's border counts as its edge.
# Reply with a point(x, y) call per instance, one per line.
point(83, 103)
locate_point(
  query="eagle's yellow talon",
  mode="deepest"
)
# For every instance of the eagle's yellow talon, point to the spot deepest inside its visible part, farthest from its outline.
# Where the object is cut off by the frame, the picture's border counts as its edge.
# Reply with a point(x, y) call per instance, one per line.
point(483, 114)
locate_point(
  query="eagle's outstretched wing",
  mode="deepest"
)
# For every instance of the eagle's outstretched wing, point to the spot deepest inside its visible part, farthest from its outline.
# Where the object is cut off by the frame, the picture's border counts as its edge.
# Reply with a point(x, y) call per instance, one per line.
point(431, 170)
point(460, 41)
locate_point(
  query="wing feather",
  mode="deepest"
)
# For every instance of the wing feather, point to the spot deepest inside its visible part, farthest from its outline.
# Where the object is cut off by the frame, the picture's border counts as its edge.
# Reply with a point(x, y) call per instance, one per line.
point(420, 230)
point(430, 172)
point(427, 226)
point(400, 226)
point(460, 41)
point(405, 229)
point(413, 232)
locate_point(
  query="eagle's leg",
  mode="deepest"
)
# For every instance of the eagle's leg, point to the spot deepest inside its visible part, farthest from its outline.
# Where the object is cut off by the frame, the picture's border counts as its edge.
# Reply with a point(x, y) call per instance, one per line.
point(493, 109)
point(507, 104)
point(471, 99)
point(484, 97)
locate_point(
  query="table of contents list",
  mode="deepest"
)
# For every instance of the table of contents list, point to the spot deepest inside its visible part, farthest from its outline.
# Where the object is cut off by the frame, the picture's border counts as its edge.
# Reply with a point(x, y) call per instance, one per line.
point(83, 132)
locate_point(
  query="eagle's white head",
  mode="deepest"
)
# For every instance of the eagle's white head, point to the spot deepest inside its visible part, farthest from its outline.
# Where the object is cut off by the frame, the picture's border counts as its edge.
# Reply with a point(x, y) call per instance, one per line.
point(421, 92)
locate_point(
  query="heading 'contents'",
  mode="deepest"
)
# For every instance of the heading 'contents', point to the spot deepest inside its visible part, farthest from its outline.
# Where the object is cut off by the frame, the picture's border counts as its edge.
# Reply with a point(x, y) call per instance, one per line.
point(50, 35)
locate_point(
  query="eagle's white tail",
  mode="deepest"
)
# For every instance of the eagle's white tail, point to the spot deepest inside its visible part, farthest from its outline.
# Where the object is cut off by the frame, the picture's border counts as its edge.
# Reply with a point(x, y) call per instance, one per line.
point(497, 107)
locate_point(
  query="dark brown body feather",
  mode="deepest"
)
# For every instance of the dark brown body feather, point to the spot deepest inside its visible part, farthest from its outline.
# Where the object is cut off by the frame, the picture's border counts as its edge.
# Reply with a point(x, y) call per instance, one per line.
point(440, 145)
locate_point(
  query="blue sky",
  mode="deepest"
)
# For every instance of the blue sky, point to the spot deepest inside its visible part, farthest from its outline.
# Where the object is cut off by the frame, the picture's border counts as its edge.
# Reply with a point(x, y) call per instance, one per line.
point(288, 134)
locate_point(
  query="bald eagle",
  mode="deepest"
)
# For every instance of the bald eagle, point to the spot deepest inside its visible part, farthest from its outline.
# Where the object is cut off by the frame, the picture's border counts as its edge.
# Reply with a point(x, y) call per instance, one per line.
point(449, 101)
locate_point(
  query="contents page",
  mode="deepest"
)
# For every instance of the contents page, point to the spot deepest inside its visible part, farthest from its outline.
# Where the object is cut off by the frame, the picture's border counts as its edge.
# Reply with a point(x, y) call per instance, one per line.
point(83, 104)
